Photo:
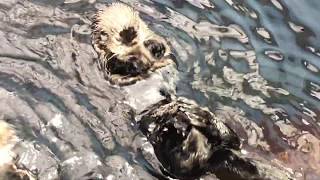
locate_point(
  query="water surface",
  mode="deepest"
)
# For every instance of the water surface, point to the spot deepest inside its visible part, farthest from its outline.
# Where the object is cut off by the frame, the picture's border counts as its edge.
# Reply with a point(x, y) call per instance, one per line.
point(254, 63)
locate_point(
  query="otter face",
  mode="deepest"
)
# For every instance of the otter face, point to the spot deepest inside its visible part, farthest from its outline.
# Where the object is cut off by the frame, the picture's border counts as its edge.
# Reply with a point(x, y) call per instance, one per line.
point(128, 50)
point(137, 50)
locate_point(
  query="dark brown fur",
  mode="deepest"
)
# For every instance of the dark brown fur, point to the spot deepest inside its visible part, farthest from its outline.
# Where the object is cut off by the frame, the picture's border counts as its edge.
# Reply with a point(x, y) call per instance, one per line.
point(189, 141)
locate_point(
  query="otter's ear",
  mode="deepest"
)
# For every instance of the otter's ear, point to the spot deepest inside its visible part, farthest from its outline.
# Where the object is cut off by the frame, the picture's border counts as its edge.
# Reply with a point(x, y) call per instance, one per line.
point(156, 48)
point(127, 35)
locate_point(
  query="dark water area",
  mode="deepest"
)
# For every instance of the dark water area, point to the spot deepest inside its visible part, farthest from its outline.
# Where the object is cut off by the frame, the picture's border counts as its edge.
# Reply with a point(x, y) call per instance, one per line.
point(254, 63)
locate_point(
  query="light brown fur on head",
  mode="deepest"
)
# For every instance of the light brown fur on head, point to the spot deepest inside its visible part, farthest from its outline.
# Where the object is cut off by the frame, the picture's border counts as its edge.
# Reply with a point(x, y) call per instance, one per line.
point(120, 36)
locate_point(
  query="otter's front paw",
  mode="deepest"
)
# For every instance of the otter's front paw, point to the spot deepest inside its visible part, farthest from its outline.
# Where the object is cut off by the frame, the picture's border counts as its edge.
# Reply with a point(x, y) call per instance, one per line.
point(124, 80)
point(156, 48)
point(160, 64)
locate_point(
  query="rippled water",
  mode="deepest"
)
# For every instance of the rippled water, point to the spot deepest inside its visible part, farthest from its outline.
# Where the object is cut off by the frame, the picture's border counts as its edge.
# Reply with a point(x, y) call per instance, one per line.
point(258, 61)
point(254, 63)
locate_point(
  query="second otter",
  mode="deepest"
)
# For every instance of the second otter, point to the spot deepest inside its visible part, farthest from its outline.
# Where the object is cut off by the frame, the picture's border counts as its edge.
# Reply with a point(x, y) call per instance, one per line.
point(8, 169)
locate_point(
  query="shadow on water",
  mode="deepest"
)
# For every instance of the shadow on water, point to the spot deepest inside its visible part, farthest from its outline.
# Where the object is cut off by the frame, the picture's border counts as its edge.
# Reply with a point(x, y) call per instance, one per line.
point(254, 63)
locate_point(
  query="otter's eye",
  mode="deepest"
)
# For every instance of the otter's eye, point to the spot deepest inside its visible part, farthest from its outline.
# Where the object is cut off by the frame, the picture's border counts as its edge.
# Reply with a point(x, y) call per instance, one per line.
point(157, 49)
point(103, 33)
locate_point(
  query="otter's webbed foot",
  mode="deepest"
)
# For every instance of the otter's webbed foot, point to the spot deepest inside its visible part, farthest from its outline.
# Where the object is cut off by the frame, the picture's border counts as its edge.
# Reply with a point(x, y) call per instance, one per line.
point(225, 164)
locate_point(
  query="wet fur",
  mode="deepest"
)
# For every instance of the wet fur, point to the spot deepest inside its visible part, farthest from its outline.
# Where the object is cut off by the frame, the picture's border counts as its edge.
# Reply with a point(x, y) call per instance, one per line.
point(189, 141)
point(8, 170)
point(128, 50)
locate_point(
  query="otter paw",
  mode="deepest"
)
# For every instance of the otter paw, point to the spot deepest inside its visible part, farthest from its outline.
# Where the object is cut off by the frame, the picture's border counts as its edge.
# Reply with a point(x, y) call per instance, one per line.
point(124, 80)
point(156, 48)
point(160, 64)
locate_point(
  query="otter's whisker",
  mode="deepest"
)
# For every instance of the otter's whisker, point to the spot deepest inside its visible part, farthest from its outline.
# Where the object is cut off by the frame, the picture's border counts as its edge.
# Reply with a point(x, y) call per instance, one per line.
point(105, 63)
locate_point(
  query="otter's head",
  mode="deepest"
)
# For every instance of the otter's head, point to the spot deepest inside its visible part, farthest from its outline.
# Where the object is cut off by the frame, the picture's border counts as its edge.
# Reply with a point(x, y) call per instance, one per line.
point(138, 55)
point(125, 44)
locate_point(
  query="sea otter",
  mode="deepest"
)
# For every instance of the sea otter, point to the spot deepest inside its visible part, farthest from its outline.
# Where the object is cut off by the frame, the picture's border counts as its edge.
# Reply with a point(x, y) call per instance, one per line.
point(8, 170)
point(128, 50)
point(189, 140)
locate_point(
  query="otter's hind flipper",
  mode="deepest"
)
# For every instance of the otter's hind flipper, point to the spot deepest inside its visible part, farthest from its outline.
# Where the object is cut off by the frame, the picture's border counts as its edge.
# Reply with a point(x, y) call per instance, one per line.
point(225, 164)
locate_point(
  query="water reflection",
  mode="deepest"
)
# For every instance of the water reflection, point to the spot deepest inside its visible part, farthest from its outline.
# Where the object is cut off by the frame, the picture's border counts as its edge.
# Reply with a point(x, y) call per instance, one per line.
point(255, 63)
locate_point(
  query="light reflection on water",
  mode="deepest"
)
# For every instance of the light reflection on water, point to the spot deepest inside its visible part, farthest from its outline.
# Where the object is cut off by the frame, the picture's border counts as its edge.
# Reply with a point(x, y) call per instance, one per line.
point(255, 63)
